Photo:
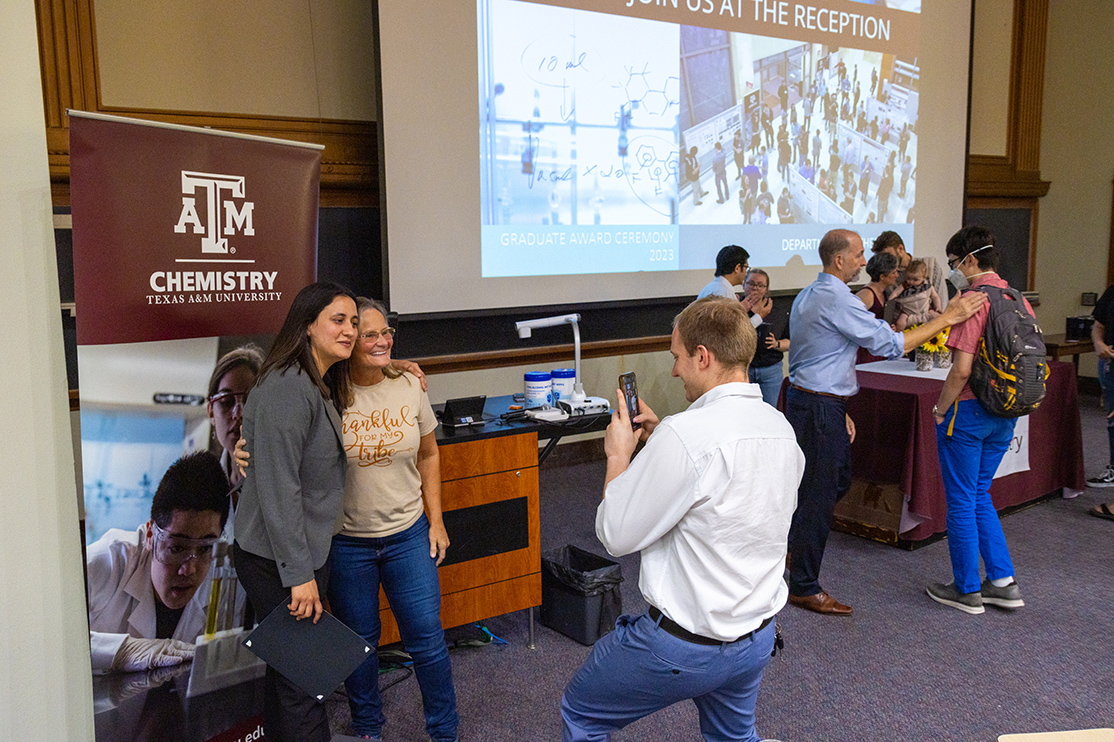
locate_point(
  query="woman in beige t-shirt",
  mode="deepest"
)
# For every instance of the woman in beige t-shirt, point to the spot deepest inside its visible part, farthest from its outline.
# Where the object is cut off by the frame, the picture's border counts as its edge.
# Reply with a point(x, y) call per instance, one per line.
point(387, 538)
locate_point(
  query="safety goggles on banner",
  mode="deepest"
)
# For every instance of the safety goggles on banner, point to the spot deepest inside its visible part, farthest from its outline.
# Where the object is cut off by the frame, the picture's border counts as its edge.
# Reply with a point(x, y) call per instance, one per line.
point(226, 401)
point(177, 550)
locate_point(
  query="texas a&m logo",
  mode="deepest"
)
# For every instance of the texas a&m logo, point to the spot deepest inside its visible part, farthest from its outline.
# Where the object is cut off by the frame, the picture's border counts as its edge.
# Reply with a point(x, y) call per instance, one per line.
point(223, 215)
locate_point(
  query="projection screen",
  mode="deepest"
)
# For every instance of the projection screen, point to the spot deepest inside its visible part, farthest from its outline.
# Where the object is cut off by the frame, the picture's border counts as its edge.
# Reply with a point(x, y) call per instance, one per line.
point(565, 151)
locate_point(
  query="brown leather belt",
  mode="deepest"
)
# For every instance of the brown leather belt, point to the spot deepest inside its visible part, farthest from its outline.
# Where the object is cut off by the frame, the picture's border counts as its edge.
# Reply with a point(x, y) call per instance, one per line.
point(822, 394)
point(671, 627)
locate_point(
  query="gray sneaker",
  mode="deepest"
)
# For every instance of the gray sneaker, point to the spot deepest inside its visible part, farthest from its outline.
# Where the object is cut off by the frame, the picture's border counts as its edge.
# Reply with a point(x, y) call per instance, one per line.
point(948, 595)
point(1003, 597)
point(1106, 479)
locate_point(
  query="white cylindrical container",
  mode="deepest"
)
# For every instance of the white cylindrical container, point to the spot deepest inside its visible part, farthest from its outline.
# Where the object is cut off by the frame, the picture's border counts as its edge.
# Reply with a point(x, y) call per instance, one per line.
point(539, 389)
point(564, 379)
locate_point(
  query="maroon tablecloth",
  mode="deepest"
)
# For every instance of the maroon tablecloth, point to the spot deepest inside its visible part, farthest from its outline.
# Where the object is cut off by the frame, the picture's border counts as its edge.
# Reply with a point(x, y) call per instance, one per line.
point(895, 443)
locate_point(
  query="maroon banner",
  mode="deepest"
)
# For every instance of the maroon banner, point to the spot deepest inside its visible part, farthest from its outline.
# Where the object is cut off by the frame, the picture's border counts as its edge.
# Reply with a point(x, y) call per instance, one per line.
point(181, 232)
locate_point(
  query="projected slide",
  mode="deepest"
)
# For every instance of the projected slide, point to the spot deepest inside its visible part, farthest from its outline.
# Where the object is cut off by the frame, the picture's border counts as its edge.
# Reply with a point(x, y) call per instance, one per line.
point(642, 135)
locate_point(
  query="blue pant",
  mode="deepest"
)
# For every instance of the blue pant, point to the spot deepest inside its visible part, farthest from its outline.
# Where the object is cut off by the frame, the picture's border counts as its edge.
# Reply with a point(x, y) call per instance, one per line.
point(968, 459)
point(723, 192)
point(401, 563)
point(640, 668)
point(1106, 380)
point(768, 379)
point(820, 424)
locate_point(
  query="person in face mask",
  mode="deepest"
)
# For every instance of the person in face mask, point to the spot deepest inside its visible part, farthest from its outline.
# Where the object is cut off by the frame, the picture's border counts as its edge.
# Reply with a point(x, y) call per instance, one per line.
point(971, 443)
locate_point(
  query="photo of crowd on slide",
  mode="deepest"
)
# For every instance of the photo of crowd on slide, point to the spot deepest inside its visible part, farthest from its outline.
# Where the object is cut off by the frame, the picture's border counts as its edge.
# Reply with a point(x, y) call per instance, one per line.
point(578, 117)
point(776, 131)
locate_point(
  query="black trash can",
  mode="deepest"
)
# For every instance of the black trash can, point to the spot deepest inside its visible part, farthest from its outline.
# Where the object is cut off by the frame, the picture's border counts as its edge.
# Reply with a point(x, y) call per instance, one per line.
point(580, 593)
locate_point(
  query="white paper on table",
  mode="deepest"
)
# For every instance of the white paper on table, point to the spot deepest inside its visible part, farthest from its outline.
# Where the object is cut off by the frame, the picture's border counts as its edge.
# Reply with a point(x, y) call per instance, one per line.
point(902, 367)
point(1017, 455)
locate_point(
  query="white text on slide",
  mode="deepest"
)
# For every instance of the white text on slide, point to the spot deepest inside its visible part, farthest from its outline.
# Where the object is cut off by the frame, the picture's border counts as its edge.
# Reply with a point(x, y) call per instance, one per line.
point(778, 12)
point(556, 239)
point(795, 245)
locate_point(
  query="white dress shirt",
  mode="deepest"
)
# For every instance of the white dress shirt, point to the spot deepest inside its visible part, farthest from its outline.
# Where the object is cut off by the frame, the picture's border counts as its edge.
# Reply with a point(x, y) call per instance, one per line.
point(708, 502)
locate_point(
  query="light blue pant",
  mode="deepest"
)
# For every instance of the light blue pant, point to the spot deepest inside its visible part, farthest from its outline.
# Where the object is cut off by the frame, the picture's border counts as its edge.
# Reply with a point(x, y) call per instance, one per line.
point(640, 668)
point(968, 459)
point(768, 380)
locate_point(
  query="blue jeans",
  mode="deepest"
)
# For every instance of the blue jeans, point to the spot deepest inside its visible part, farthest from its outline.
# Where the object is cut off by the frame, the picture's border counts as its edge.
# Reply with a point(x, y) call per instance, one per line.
point(768, 379)
point(640, 668)
point(968, 459)
point(401, 563)
point(1106, 380)
point(820, 424)
point(723, 192)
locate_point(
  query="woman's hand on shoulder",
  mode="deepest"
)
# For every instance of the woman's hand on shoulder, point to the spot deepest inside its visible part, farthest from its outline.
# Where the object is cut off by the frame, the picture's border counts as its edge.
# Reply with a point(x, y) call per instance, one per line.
point(241, 457)
point(438, 542)
point(413, 369)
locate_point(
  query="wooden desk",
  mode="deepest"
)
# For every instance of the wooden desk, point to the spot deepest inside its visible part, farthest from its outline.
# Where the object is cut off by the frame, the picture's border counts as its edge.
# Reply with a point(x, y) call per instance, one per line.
point(1058, 346)
point(489, 498)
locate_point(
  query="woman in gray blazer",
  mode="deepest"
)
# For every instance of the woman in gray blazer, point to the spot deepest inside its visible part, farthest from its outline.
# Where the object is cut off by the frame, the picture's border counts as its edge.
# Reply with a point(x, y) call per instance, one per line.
point(293, 490)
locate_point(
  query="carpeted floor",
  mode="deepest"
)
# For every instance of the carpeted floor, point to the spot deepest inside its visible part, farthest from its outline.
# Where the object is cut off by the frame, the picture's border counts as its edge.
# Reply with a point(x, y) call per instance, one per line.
point(902, 669)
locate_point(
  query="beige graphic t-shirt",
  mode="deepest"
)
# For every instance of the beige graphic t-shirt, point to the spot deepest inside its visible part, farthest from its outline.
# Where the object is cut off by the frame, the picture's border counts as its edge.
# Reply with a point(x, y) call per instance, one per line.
point(382, 430)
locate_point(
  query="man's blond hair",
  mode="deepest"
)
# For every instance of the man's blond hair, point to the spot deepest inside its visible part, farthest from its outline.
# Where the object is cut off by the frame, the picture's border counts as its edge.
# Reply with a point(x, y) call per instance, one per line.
point(722, 326)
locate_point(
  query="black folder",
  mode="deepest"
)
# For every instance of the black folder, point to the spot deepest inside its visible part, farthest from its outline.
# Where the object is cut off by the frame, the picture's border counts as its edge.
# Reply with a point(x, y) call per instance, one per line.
point(315, 657)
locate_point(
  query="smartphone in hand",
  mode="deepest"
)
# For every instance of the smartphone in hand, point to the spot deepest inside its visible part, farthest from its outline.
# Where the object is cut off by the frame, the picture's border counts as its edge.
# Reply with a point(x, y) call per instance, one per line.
point(630, 391)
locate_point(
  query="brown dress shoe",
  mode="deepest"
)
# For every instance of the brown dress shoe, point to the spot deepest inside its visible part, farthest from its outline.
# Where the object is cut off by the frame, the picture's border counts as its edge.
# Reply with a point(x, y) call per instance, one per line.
point(821, 602)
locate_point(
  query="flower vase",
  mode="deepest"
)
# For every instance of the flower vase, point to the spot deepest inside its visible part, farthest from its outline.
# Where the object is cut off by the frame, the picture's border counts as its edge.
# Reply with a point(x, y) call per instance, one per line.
point(942, 358)
point(923, 359)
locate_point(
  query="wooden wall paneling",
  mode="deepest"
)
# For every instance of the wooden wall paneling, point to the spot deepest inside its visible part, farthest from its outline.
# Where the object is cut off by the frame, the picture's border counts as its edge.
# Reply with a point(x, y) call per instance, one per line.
point(68, 55)
point(545, 354)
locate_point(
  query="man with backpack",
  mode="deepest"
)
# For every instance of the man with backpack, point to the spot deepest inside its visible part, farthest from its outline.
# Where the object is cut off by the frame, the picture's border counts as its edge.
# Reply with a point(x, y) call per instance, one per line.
point(997, 374)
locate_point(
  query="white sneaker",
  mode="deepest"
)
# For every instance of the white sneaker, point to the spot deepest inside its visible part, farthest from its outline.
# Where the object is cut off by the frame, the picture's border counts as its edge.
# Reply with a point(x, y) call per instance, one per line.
point(1106, 479)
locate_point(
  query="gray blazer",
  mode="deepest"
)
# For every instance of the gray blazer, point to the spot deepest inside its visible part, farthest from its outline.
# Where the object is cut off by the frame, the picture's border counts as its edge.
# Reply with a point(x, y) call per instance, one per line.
point(290, 505)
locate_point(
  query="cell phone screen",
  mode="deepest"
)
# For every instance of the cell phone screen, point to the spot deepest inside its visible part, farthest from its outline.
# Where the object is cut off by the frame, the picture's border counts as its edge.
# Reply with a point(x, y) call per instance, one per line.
point(630, 391)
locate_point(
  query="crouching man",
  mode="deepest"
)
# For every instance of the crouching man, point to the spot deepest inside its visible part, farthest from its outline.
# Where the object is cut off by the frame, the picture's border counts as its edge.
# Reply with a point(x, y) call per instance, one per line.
point(708, 502)
point(145, 606)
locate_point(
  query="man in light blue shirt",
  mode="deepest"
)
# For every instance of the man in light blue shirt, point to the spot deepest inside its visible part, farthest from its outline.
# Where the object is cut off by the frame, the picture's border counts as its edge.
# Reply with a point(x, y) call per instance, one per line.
point(731, 269)
point(829, 324)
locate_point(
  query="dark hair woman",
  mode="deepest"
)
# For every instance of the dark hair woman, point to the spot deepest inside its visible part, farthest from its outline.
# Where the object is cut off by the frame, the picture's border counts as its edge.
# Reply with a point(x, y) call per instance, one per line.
point(293, 491)
point(884, 274)
point(231, 380)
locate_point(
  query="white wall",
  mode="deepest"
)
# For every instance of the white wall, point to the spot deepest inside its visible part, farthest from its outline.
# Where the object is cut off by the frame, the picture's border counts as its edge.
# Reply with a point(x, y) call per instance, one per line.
point(990, 76)
point(45, 686)
point(263, 57)
point(1077, 156)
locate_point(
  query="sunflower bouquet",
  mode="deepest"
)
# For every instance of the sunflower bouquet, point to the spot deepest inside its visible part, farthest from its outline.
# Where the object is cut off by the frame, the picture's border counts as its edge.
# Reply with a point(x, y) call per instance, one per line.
point(937, 343)
point(933, 352)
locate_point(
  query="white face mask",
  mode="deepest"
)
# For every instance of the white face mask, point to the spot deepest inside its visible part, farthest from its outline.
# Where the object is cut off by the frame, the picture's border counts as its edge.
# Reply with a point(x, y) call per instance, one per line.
point(956, 277)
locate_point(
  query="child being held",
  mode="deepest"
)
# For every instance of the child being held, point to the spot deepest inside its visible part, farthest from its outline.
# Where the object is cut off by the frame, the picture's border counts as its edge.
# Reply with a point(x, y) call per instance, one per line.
point(917, 302)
